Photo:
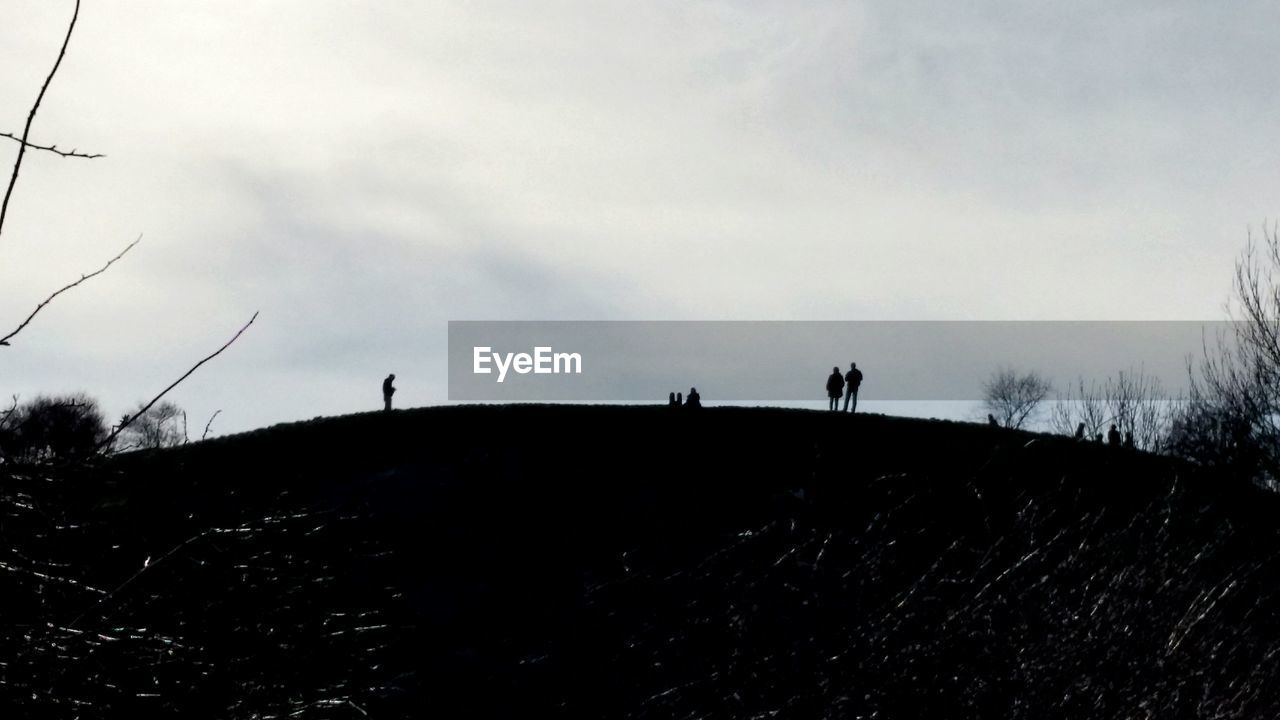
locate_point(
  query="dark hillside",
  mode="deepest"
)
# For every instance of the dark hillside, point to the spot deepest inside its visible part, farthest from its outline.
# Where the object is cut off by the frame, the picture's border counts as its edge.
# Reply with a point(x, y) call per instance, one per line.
point(519, 561)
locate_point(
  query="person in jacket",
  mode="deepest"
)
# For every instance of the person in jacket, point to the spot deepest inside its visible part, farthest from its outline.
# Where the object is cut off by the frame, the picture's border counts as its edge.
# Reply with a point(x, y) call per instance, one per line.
point(835, 388)
point(387, 391)
point(852, 380)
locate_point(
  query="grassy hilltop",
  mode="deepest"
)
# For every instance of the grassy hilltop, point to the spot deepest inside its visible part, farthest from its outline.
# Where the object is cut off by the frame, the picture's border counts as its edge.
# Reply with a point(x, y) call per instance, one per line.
point(519, 561)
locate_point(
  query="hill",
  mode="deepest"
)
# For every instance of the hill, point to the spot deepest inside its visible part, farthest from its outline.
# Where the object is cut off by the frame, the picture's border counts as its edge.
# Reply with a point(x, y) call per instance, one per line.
point(598, 561)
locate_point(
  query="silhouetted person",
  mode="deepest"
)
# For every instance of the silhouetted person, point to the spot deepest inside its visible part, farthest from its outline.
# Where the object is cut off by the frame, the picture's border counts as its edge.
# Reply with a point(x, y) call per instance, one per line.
point(671, 400)
point(695, 400)
point(1113, 436)
point(1097, 438)
point(992, 421)
point(679, 399)
point(1128, 440)
point(387, 391)
point(835, 388)
point(852, 380)
point(1080, 431)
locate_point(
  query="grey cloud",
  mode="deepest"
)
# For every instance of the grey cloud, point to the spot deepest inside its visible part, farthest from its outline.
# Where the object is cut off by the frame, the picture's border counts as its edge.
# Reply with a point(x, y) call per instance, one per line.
point(363, 173)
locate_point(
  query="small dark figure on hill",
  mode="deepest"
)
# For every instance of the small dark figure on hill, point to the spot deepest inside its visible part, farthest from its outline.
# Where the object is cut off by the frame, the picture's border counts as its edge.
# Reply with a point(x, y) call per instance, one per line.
point(695, 400)
point(1098, 437)
point(1113, 436)
point(679, 399)
point(991, 420)
point(852, 380)
point(1080, 431)
point(835, 388)
point(1128, 440)
point(387, 391)
point(671, 400)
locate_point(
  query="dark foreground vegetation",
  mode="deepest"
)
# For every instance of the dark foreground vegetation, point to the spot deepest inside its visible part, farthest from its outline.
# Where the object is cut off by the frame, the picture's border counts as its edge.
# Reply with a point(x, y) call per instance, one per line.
point(605, 562)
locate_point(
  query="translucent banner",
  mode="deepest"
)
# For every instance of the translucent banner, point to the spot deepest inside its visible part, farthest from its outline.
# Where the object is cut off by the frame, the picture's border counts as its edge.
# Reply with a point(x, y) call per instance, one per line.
point(629, 361)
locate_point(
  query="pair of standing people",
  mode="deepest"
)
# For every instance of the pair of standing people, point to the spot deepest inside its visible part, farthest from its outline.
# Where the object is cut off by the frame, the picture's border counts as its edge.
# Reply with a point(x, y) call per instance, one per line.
point(847, 385)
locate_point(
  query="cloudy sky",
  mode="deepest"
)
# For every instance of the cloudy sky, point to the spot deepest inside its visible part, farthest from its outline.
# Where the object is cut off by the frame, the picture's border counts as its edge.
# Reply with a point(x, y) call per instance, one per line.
point(362, 173)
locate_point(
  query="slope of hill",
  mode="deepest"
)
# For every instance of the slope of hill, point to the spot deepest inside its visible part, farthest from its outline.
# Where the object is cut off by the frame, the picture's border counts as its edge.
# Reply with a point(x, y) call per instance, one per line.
point(515, 561)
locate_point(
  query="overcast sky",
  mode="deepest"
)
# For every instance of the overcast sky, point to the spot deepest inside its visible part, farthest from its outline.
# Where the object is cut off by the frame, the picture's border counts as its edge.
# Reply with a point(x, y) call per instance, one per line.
point(362, 173)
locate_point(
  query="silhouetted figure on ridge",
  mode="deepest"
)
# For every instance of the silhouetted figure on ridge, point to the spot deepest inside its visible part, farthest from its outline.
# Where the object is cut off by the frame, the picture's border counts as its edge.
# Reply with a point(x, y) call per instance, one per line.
point(1080, 431)
point(1128, 439)
point(671, 400)
point(1113, 436)
point(694, 400)
point(679, 399)
point(835, 388)
point(387, 391)
point(852, 380)
point(991, 420)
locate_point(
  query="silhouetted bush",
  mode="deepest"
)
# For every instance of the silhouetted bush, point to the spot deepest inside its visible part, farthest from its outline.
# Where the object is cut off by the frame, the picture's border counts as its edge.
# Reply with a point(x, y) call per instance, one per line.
point(52, 428)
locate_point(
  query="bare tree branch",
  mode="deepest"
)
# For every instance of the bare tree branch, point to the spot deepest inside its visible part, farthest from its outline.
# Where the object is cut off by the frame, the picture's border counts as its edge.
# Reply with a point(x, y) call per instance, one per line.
point(31, 116)
point(72, 153)
point(209, 424)
point(5, 340)
point(125, 422)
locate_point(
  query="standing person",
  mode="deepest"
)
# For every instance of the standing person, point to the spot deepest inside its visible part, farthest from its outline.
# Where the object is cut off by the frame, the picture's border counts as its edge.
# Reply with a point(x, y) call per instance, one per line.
point(1113, 436)
point(852, 380)
point(387, 391)
point(835, 388)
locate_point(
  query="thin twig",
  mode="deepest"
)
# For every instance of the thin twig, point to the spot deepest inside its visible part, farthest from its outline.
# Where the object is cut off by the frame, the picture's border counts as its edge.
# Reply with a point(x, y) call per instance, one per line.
point(125, 423)
point(106, 597)
point(31, 116)
point(5, 340)
point(72, 153)
point(209, 424)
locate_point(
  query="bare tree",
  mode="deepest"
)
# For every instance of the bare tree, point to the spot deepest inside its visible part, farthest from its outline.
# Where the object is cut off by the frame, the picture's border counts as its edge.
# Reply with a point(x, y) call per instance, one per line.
point(159, 426)
point(1233, 416)
point(1013, 398)
point(1082, 409)
point(1134, 401)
